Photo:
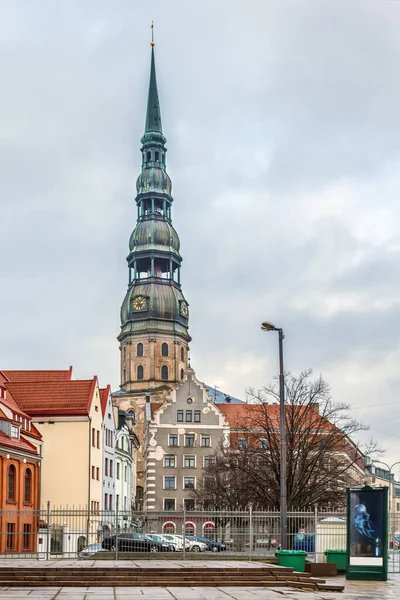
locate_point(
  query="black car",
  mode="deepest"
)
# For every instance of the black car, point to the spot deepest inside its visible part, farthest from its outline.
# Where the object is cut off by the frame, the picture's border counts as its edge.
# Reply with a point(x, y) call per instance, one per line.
point(134, 542)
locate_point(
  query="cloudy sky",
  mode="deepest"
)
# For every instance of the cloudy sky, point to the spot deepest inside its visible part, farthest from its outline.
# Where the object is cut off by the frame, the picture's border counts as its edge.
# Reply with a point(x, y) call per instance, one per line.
point(283, 127)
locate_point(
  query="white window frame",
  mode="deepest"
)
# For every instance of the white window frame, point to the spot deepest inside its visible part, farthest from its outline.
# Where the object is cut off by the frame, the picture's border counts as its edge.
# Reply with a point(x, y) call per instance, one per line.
point(207, 456)
point(14, 433)
point(191, 435)
point(170, 477)
point(205, 436)
point(194, 508)
point(189, 456)
point(169, 440)
point(189, 477)
point(164, 509)
point(169, 456)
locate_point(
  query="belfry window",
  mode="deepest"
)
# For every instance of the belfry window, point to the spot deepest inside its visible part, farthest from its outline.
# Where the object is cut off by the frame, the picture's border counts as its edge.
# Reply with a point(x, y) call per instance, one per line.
point(139, 349)
point(157, 157)
point(149, 156)
point(164, 349)
point(140, 372)
point(182, 354)
point(164, 373)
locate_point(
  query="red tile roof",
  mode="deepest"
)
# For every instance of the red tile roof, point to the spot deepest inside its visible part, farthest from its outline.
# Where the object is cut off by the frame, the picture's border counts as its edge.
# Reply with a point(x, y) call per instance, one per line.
point(54, 398)
point(238, 415)
point(104, 395)
point(36, 376)
point(17, 444)
point(9, 402)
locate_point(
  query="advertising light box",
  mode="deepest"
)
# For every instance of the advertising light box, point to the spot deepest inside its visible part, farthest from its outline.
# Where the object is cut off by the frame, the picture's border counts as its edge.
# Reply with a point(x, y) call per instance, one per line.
point(367, 533)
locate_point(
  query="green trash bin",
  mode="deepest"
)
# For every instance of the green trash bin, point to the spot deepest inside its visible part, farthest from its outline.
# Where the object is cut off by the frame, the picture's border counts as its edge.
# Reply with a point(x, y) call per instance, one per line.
point(292, 558)
point(338, 558)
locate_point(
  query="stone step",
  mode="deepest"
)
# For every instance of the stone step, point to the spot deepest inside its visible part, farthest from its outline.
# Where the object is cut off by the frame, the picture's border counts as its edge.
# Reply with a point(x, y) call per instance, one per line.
point(157, 583)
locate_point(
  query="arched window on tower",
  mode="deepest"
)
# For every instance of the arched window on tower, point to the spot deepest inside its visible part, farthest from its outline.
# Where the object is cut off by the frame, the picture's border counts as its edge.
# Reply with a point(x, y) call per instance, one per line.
point(11, 483)
point(182, 354)
point(157, 156)
point(139, 349)
point(164, 373)
point(124, 375)
point(164, 349)
point(140, 372)
point(124, 352)
point(28, 486)
point(182, 374)
point(148, 156)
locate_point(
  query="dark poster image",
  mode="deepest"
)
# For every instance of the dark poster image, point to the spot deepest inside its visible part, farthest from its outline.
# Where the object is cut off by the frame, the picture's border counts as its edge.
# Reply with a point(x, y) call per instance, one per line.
point(366, 523)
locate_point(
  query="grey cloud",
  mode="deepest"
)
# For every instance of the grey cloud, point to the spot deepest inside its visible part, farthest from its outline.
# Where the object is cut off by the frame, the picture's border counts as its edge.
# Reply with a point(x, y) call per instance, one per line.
point(282, 124)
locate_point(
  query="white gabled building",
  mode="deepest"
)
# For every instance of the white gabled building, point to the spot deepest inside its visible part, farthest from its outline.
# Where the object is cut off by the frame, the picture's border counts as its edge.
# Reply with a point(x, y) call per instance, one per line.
point(126, 447)
point(109, 436)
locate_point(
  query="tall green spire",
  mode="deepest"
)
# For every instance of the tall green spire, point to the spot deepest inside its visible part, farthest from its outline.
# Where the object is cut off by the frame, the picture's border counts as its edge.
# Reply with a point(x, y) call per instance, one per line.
point(153, 116)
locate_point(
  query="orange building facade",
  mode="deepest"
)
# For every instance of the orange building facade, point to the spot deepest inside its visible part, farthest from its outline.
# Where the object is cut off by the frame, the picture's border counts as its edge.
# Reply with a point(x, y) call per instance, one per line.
point(20, 458)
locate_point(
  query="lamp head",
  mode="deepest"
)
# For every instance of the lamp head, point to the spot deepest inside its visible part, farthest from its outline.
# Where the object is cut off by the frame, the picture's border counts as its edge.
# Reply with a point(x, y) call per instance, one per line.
point(267, 326)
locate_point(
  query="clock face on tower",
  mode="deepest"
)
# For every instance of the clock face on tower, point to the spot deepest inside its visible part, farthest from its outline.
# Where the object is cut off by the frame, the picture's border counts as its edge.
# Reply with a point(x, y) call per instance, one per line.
point(184, 309)
point(139, 303)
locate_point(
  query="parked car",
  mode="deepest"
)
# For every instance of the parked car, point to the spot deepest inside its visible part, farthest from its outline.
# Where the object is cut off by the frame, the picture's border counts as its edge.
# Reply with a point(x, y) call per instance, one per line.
point(134, 542)
point(195, 544)
point(210, 544)
point(175, 541)
point(304, 541)
point(90, 550)
point(264, 543)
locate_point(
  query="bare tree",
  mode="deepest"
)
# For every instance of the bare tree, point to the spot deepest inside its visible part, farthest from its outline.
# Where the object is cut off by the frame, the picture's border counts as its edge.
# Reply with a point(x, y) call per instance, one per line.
point(323, 457)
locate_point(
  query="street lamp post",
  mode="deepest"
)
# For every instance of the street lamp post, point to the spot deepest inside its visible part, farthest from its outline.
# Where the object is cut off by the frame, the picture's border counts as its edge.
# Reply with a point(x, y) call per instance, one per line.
point(266, 326)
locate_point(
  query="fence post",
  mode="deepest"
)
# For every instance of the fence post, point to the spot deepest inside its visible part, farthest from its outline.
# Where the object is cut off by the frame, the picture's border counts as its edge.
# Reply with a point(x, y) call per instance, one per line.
point(184, 531)
point(88, 524)
point(316, 544)
point(48, 531)
point(251, 530)
point(116, 529)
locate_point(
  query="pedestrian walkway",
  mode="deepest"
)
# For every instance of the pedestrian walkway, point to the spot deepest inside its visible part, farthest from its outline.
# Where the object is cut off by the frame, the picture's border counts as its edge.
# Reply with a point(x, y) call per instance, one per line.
point(354, 590)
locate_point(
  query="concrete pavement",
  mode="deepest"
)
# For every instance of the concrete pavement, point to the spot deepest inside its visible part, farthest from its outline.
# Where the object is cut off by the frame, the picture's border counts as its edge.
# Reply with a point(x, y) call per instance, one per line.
point(354, 590)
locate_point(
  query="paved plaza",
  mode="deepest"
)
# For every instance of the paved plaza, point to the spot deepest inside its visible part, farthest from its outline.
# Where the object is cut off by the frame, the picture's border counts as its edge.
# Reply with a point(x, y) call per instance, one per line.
point(354, 590)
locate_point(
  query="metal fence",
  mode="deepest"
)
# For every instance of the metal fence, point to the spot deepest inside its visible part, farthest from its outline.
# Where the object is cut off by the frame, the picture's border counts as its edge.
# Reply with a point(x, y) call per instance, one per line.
point(79, 532)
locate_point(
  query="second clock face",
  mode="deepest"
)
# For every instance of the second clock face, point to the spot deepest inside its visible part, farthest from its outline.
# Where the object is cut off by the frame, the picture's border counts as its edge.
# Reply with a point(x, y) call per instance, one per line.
point(184, 309)
point(139, 303)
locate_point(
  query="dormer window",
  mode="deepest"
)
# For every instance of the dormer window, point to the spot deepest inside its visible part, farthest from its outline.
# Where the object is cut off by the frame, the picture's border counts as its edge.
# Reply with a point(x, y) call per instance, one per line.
point(15, 432)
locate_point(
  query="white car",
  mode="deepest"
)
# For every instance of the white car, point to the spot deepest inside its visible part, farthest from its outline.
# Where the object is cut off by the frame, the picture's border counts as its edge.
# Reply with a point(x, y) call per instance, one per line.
point(90, 550)
point(175, 541)
point(195, 544)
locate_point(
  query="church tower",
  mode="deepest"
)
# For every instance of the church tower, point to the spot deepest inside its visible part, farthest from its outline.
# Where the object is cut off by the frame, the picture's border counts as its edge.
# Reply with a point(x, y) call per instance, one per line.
point(154, 334)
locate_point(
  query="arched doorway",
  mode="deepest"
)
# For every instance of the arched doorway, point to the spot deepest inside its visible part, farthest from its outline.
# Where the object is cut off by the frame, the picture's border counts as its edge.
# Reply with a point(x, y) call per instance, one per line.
point(209, 530)
point(190, 528)
point(81, 543)
point(169, 527)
